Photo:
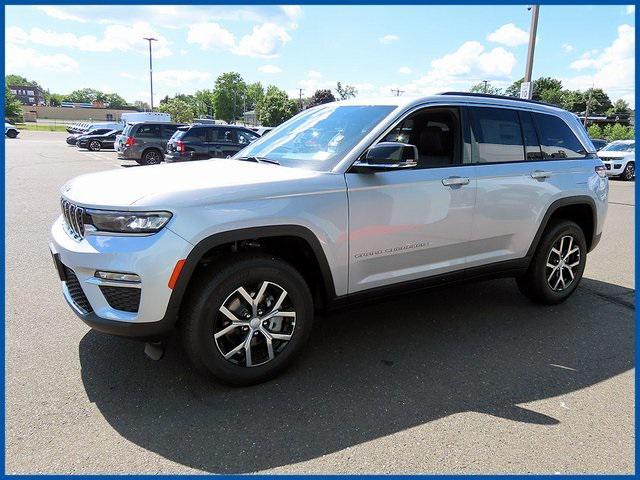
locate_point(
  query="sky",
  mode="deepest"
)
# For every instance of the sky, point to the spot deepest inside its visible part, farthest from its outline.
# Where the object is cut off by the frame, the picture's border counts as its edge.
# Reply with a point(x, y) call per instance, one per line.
point(418, 49)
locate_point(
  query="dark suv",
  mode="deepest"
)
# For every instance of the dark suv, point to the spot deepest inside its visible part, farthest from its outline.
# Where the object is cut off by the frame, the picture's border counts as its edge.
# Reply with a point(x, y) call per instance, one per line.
point(199, 142)
point(146, 142)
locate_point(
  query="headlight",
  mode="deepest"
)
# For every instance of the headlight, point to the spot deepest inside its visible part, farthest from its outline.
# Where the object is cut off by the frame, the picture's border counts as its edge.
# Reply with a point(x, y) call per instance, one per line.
point(127, 222)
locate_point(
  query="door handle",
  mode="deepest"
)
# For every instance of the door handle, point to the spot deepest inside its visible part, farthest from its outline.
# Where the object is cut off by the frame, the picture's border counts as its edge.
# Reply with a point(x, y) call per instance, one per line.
point(540, 174)
point(455, 181)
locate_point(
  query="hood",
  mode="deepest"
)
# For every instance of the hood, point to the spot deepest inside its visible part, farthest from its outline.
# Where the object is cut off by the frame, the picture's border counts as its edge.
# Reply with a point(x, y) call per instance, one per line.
point(176, 183)
point(613, 154)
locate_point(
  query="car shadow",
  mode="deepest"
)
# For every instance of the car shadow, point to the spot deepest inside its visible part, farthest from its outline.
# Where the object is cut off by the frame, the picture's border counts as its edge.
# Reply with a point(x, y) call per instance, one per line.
point(368, 372)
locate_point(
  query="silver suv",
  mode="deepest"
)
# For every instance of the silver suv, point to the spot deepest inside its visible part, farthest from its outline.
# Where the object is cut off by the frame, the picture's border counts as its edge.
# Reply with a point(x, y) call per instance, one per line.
point(344, 202)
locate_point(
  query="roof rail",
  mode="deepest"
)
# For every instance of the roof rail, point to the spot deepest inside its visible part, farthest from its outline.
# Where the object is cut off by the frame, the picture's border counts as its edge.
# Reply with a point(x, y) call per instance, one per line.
point(498, 97)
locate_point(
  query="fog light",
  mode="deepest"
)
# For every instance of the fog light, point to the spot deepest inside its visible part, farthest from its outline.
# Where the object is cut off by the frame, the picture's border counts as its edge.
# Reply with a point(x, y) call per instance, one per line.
point(118, 277)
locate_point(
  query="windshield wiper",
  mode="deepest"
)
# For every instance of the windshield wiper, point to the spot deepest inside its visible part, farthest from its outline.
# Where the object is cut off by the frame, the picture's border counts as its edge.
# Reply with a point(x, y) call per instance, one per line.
point(259, 160)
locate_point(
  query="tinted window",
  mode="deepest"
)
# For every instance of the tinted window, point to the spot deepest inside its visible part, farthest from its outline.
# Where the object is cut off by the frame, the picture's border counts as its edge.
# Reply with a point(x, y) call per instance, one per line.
point(497, 134)
point(195, 134)
point(169, 130)
point(556, 138)
point(147, 131)
point(245, 138)
point(221, 135)
point(531, 144)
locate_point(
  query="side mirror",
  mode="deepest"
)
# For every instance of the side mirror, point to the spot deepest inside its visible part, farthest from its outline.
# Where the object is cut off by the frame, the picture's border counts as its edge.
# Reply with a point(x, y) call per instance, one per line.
point(386, 156)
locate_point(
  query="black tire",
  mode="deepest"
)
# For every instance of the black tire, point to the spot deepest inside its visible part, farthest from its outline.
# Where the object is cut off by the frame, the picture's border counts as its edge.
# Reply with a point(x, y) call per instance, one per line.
point(12, 134)
point(94, 146)
point(629, 171)
point(536, 283)
point(152, 156)
point(201, 319)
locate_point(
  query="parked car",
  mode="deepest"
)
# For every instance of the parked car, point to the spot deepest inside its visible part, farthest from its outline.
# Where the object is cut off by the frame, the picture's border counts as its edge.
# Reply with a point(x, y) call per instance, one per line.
point(328, 210)
point(619, 159)
point(199, 142)
point(73, 139)
point(10, 130)
point(599, 143)
point(98, 140)
point(146, 142)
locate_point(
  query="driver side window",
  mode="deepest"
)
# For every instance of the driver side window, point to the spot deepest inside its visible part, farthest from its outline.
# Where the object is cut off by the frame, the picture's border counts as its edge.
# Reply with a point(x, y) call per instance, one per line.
point(435, 132)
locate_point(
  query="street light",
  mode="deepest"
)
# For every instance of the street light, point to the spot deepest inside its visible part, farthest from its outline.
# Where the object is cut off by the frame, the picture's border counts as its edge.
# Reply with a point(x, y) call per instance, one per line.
point(151, 39)
point(526, 89)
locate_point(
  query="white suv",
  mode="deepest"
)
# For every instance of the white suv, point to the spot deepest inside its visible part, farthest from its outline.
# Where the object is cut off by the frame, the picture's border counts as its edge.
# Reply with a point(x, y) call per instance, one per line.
point(619, 159)
point(344, 202)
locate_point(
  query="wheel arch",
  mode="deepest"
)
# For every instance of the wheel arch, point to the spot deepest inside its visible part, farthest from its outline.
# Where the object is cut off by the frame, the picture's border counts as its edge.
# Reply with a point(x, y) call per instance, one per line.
point(580, 209)
point(200, 251)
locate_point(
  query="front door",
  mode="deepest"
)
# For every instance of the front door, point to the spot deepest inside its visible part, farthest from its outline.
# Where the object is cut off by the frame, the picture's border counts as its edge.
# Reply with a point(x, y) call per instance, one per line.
point(410, 224)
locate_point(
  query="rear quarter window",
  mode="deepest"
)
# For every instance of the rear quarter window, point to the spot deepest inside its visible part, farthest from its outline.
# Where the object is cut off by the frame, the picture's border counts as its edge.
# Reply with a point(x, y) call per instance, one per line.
point(557, 140)
point(148, 131)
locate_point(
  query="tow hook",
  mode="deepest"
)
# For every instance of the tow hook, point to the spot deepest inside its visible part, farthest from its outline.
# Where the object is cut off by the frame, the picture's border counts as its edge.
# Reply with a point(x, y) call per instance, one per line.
point(155, 350)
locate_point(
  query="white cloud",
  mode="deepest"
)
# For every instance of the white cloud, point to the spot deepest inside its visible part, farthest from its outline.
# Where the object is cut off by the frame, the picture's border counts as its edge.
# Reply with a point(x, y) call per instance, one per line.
point(59, 13)
point(269, 69)
point(210, 36)
point(612, 69)
point(265, 41)
point(314, 74)
point(20, 59)
point(115, 38)
point(128, 75)
point(509, 35)
point(178, 78)
point(404, 70)
point(294, 12)
point(389, 38)
point(567, 48)
point(631, 9)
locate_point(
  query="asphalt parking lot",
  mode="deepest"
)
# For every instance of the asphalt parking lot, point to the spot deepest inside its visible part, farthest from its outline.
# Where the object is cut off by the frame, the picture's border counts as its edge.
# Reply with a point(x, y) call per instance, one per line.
point(471, 379)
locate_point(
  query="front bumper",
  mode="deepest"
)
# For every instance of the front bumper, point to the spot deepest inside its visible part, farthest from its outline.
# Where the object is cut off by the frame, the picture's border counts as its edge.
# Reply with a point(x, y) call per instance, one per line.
point(614, 167)
point(151, 257)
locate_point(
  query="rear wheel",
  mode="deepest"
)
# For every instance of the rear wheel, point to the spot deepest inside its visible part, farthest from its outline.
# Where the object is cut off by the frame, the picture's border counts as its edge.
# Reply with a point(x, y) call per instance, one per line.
point(629, 171)
point(246, 321)
point(95, 146)
point(151, 157)
point(557, 266)
point(12, 133)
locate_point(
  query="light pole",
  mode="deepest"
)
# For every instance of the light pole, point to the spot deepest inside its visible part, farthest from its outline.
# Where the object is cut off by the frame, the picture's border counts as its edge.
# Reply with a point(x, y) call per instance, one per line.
point(526, 88)
point(151, 39)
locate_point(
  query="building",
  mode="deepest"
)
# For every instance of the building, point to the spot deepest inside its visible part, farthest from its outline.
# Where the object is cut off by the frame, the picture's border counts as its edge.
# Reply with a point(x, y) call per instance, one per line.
point(28, 94)
point(72, 113)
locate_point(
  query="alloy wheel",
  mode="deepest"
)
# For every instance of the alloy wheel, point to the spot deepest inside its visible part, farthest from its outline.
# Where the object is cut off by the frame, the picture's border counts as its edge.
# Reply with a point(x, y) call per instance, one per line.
point(254, 324)
point(152, 158)
point(629, 171)
point(563, 259)
point(95, 145)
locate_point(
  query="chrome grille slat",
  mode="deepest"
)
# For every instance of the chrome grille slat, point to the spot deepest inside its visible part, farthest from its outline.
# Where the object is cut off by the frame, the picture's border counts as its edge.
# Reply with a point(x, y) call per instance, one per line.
point(73, 217)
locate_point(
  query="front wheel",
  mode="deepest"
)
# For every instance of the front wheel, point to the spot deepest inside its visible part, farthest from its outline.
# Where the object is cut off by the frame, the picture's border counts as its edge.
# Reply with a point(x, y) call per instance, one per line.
point(12, 134)
point(95, 146)
point(557, 266)
point(629, 171)
point(247, 320)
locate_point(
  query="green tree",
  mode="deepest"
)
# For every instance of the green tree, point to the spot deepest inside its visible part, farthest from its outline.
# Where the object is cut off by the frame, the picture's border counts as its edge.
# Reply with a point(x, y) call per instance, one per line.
point(619, 107)
point(179, 110)
point(346, 92)
point(598, 101)
point(141, 105)
point(321, 96)
point(540, 85)
point(552, 96)
point(489, 89)
point(229, 95)
point(255, 93)
point(54, 99)
point(595, 131)
point(574, 101)
point(113, 100)
point(618, 131)
point(12, 106)
point(276, 107)
point(85, 95)
point(12, 79)
point(203, 100)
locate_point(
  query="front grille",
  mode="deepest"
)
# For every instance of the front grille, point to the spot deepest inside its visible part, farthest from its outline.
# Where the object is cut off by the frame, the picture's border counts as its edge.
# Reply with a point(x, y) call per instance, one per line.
point(607, 166)
point(76, 292)
point(122, 298)
point(73, 217)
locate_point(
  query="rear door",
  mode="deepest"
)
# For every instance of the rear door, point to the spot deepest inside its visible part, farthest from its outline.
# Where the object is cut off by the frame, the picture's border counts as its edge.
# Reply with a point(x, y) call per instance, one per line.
point(147, 135)
point(167, 132)
point(524, 161)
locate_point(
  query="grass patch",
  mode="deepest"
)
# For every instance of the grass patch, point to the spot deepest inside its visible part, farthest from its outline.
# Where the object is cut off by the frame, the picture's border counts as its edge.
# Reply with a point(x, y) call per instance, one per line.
point(39, 127)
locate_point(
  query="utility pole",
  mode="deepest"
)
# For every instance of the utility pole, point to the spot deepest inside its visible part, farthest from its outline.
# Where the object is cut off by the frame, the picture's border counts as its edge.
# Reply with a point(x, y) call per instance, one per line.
point(397, 91)
point(586, 112)
point(235, 95)
point(485, 86)
point(151, 39)
point(300, 97)
point(526, 89)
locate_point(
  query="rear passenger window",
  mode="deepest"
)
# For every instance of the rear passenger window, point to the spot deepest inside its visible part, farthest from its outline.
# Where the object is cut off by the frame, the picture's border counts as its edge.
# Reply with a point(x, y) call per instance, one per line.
point(148, 131)
point(531, 144)
point(197, 134)
point(556, 138)
point(497, 134)
point(245, 138)
point(169, 130)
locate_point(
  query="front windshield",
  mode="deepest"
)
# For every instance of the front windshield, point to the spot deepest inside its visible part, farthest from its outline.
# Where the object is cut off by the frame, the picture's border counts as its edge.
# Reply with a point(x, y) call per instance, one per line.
point(619, 147)
point(317, 139)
